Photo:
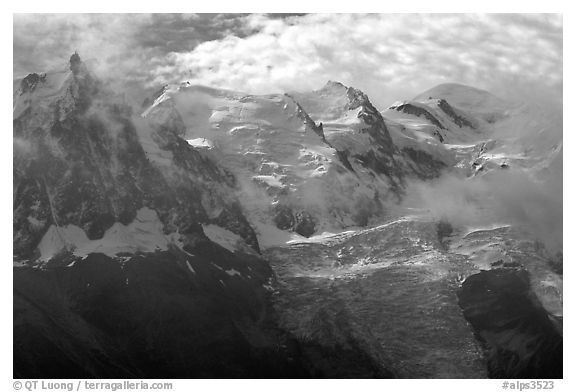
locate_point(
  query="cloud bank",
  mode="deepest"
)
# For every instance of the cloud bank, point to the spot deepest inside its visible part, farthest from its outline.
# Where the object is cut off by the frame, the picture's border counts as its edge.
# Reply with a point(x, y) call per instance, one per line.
point(389, 56)
point(509, 196)
point(125, 47)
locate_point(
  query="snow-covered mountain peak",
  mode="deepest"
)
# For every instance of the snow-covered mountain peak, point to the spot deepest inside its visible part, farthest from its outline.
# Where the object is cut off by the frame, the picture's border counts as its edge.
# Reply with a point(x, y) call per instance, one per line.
point(334, 100)
point(333, 84)
point(478, 102)
point(276, 151)
point(350, 123)
point(449, 113)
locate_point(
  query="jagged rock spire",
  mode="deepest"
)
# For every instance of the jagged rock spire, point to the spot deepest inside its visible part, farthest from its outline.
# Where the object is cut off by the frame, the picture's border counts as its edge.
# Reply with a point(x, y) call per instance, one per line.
point(75, 62)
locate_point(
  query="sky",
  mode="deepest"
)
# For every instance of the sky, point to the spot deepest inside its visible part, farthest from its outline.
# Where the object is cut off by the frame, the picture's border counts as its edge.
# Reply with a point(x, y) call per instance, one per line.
point(388, 56)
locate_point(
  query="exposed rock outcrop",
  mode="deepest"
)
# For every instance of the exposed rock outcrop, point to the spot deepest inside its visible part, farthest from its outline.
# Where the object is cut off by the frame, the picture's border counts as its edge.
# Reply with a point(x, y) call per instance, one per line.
point(520, 338)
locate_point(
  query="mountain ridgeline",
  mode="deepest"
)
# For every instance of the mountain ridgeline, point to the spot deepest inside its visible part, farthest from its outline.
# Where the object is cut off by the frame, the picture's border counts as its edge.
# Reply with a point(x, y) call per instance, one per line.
point(167, 241)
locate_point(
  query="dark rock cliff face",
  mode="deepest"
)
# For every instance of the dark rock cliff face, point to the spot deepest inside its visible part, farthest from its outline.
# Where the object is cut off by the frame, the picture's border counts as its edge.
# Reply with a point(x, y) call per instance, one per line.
point(162, 315)
point(420, 112)
point(425, 166)
point(30, 82)
point(521, 339)
point(371, 117)
point(301, 222)
point(383, 158)
point(459, 120)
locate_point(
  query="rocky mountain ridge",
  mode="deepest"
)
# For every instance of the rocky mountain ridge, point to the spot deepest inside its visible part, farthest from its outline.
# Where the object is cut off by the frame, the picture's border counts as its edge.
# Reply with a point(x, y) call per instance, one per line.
point(319, 161)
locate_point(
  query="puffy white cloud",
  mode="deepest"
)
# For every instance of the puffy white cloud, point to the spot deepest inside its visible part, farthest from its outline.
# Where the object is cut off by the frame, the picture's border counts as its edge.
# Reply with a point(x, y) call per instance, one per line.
point(122, 46)
point(389, 56)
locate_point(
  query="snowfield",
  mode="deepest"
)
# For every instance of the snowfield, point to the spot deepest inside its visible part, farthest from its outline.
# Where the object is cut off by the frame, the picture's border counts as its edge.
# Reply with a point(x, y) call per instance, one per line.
point(144, 234)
